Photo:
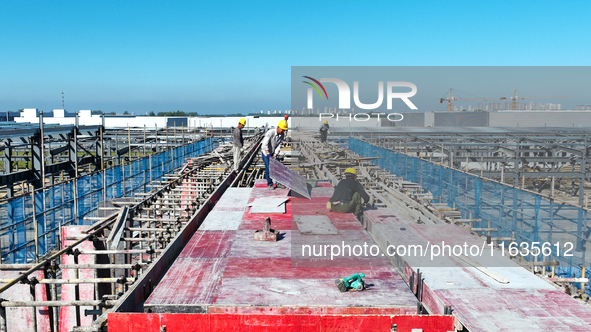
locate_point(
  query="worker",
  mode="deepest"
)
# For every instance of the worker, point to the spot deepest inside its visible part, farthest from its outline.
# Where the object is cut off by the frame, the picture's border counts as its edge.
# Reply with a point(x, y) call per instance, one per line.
point(348, 194)
point(324, 131)
point(271, 146)
point(288, 139)
point(238, 142)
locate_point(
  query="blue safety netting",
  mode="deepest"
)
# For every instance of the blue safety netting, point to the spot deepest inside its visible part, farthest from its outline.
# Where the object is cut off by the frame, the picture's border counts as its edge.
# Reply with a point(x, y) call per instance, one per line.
point(55, 206)
point(514, 213)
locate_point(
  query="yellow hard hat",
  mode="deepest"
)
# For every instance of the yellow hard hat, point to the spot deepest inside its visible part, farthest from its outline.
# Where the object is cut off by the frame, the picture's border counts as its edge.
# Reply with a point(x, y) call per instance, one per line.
point(242, 121)
point(325, 122)
point(351, 170)
point(282, 124)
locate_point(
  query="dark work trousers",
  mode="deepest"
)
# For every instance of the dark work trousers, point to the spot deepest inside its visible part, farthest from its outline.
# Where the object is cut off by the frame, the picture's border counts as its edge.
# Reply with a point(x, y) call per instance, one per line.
point(354, 206)
point(266, 161)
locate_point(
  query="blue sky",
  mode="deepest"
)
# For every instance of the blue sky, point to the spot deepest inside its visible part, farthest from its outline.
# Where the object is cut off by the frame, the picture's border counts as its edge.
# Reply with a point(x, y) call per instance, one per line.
point(226, 57)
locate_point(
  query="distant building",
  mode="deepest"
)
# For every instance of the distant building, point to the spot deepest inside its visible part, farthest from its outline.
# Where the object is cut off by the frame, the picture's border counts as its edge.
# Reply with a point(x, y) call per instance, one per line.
point(9, 116)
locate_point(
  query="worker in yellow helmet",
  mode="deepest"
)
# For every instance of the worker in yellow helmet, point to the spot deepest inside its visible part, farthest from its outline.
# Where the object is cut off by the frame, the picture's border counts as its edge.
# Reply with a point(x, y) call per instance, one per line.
point(238, 142)
point(348, 194)
point(324, 129)
point(271, 146)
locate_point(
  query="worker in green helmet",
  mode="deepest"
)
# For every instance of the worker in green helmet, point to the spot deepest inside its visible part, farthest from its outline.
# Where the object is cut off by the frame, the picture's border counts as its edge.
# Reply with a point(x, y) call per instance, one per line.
point(348, 195)
point(238, 142)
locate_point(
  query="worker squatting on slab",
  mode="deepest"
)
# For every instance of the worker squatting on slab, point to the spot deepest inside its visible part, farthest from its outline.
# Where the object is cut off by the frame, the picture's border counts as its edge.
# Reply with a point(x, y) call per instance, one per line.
point(238, 142)
point(348, 194)
point(271, 147)
point(324, 129)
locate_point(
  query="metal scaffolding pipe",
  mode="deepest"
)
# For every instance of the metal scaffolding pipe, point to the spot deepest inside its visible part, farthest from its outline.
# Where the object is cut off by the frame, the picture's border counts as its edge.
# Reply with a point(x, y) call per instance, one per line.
point(14, 304)
point(79, 281)
point(74, 266)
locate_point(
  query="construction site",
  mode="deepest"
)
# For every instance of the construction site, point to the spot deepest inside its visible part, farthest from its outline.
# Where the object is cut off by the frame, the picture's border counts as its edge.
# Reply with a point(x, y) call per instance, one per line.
point(126, 229)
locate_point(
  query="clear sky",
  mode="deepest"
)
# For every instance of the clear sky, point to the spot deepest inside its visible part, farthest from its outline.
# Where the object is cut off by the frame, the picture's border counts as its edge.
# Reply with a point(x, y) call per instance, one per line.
point(227, 57)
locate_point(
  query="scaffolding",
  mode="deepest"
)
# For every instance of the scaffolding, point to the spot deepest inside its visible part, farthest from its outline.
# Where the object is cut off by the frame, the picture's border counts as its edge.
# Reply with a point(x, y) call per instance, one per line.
point(115, 256)
point(500, 211)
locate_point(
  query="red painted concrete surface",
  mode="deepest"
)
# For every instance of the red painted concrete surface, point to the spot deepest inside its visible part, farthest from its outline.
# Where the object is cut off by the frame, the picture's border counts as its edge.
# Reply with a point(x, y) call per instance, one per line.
point(223, 280)
point(132, 322)
point(226, 271)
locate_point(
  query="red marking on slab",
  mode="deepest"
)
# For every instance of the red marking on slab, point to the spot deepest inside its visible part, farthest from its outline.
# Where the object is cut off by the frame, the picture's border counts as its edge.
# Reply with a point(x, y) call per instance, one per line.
point(282, 268)
point(434, 303)
point(244, 245)
point(265, 192)
point(255, 221)
point(256, 292)
point(132, 322)
point(261, 277)
point(278, 222)
point(190, 281)
point(86, 291)
point(209, 244)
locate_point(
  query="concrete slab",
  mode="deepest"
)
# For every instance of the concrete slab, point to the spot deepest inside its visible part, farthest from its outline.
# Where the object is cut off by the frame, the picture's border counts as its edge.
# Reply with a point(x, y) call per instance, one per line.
point(526, 303)
point(209, 244)
point(245, 246)
point(233, 199)
point(311, 293)
point(237, 267)
point(268, 201)
point(267, 209)
point(222, 220)
point(190, 284)
point(322, 192)
point(226, 271)
point(315, 225)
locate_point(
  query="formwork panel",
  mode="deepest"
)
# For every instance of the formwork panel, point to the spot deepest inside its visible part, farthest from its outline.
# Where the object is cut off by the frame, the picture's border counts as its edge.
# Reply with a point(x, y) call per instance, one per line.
point(20, 319)
point(70, 314)
point(131, 322)
point(259, 277)
point(525, 303)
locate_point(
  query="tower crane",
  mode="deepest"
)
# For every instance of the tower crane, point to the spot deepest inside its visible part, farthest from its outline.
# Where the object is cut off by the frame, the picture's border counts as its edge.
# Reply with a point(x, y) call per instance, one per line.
point(451, 99)
point(515, 97)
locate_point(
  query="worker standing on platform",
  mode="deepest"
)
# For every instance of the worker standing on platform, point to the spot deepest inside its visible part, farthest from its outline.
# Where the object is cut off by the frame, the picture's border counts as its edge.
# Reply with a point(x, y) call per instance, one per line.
point(324, 131)
point(271, 146)
point(348, 194)
point(238, 142)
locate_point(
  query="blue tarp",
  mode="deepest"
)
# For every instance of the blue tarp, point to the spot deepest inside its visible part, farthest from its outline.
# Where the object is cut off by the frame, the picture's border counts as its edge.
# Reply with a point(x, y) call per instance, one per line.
point(55, 206)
